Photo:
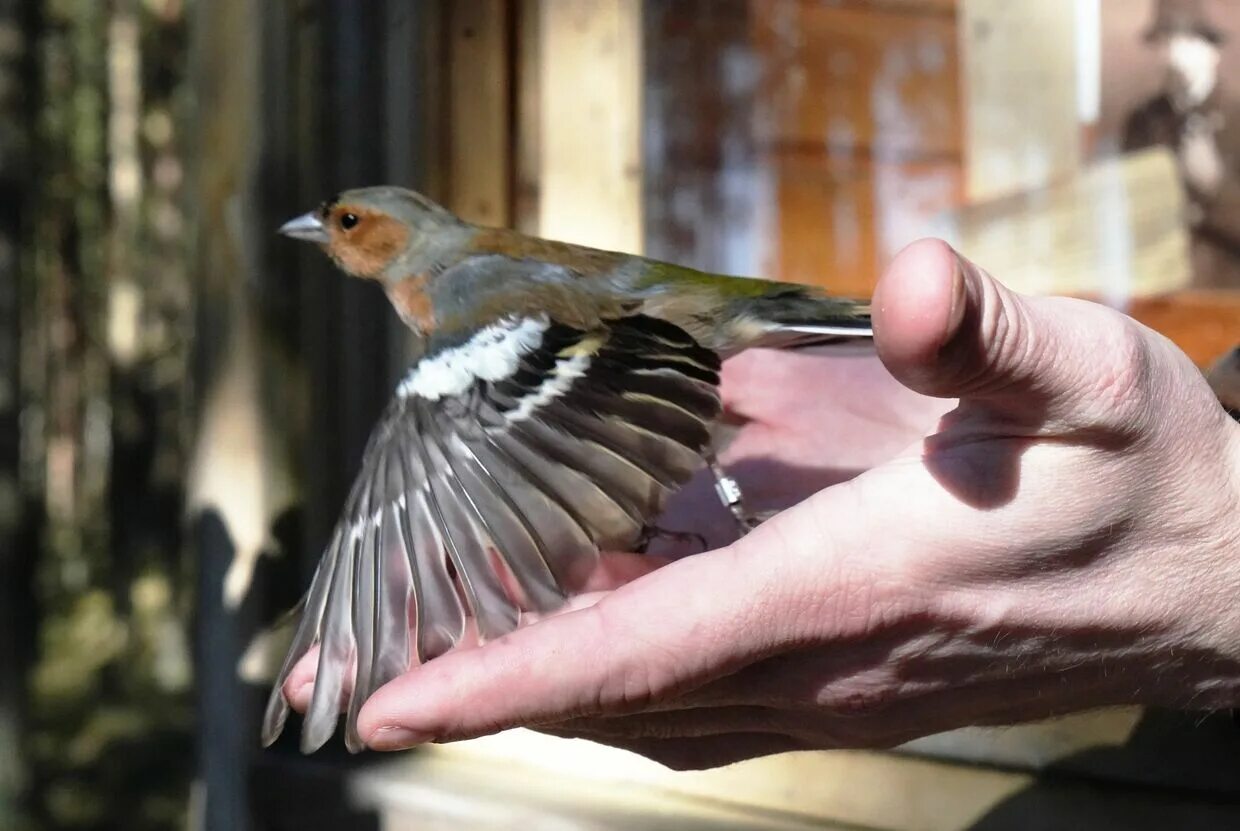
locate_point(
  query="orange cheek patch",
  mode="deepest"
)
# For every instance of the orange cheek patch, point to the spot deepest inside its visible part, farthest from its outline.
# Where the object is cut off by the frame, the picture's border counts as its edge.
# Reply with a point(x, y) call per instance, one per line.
point(371, 246)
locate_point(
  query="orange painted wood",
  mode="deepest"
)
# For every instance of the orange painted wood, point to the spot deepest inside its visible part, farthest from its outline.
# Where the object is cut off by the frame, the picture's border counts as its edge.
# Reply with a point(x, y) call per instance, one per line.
point(859, 79)
point(859, 116)
point(1205, 324)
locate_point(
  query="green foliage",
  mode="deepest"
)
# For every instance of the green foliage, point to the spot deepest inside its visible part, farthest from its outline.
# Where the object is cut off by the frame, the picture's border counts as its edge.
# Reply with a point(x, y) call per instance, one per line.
point(106, 322)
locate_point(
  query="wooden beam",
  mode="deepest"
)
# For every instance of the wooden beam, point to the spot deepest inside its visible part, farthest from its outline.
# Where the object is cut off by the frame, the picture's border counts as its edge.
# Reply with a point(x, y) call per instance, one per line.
point(480, 147)
point(1020, 84)
point(527, 118)
point(849, 788)
point(1115, 231)
point(590, 126)
point(860, 125)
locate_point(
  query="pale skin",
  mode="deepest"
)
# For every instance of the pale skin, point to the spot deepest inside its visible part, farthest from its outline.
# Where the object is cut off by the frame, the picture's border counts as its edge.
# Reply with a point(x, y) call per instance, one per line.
point(1046, 520)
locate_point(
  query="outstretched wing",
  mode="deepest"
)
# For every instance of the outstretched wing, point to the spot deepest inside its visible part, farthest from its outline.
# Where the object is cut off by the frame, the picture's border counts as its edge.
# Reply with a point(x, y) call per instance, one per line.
point(501, 468)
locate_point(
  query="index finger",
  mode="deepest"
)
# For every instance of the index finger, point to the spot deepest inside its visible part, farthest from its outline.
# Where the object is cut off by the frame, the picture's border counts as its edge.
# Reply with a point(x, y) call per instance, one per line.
point(667, 632)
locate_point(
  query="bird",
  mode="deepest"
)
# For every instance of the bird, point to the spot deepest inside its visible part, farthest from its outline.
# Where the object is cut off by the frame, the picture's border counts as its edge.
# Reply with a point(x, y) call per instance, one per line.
point(558, 396)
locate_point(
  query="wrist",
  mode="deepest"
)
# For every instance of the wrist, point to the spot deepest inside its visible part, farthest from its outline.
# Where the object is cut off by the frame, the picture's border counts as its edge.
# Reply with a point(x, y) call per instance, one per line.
point(1206, 673)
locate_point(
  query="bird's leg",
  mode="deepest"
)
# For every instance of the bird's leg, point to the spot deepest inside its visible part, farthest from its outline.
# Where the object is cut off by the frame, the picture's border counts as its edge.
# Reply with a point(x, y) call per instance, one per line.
point(729, 492)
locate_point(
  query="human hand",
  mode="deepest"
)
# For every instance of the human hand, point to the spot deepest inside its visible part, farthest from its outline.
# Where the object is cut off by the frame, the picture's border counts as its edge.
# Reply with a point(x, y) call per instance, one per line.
point(1065, 538)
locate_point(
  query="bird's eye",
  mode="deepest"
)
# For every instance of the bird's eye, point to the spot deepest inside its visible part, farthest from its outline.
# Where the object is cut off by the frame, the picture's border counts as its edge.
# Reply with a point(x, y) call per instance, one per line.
point(347, 221)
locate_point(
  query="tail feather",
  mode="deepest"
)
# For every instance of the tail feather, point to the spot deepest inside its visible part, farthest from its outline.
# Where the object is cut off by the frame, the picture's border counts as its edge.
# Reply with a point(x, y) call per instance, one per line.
point(799, 316)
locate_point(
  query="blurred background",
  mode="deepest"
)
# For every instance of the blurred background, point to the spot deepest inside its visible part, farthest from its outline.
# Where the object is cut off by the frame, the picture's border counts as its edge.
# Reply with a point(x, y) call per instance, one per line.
point(184, 395)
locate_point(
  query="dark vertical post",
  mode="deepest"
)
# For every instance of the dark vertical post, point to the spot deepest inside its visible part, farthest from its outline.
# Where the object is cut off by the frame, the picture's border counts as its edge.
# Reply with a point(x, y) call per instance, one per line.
point(699, 159)
point(16, 553)
point(295, 101)
point(238, 459)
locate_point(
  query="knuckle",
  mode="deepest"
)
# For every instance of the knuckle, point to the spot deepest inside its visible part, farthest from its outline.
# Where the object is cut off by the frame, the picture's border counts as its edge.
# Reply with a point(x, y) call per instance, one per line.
point(1119, 387)
point(1006, 345)
point(1125, 372)
point(642, 672)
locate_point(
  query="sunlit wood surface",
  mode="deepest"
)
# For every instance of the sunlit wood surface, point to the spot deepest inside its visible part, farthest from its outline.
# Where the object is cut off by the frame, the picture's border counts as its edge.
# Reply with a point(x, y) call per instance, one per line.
point(1205, 324)
point(1114, 230)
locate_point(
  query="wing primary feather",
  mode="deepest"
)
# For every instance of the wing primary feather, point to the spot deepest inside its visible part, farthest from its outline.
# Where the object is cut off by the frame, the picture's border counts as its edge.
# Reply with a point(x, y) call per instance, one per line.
point(638, 362)
point(669, 421)
point(594, 429)
point(537, 579)
point(678, 392)
point(436, 508)
point(537, 482)
point(495, 613)
point(392, 585)
point(335, 651)
point(409, 489)
point(614, 491)
point(364, 612)
point(439, 620)
point(439, 515)
point(303, 638)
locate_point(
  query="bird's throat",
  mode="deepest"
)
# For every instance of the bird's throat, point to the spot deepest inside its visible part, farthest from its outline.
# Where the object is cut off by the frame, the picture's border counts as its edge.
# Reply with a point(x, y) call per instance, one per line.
point(412, 301)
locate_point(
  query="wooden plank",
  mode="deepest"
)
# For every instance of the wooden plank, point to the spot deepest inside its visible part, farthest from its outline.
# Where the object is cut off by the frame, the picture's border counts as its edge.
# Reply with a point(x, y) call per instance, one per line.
point(480, 147)
point(1205, 324)
point(1019, 77)
point(414, 794)
point(858, 80)
point(853, 788)
point(708, 196)
point(590, 124)
point(526, 144)
point(840, 221)
point(1115, 231)
point(1033, 746)
point(858, 115)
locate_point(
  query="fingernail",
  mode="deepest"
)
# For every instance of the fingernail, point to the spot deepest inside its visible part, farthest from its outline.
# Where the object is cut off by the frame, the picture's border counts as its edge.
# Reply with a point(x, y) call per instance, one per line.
point(396, 738)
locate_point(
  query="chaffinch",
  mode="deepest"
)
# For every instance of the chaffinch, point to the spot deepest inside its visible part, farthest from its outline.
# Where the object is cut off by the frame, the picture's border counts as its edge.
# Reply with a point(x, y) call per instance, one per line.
point(561, 394)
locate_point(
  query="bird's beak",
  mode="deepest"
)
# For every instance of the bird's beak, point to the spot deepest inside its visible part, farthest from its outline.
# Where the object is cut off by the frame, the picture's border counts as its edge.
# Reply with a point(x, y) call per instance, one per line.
point(306, 227)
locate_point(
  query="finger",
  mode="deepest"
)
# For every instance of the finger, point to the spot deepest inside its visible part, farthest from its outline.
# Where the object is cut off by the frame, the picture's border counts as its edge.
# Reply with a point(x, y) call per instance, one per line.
point(612, 571)
point(298, 688)
point(697, 753)
point(946, 328)
point(299, 685)
point(667, 632)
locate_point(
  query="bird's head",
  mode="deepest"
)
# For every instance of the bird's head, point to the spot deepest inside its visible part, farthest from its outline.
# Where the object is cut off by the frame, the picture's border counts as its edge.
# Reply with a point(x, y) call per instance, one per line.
point(376, 232)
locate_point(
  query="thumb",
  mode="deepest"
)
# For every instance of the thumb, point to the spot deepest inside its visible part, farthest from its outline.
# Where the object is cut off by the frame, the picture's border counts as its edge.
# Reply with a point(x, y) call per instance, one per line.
point(945, 327)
